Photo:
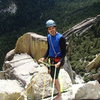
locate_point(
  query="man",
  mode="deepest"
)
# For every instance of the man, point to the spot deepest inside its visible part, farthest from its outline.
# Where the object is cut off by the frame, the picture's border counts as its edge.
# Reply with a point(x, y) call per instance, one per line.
point(56, 52)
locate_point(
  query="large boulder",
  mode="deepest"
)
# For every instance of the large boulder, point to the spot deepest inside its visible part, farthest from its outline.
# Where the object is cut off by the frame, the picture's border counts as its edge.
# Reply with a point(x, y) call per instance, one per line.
point(33, 76)
point(32, 44)
point(90, 90)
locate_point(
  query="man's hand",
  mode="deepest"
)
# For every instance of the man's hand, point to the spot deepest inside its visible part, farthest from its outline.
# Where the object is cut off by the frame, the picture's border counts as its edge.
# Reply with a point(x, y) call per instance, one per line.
point(41, 60)
point(57, 65)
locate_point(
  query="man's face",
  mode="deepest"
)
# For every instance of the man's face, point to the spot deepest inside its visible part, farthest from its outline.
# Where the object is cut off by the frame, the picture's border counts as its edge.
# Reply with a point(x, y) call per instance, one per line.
point(52, 30)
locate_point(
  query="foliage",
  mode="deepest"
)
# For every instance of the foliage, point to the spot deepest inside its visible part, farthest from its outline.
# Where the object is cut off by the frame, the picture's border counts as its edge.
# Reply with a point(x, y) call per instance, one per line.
point(6, 44)
point(31, 16)
point(82, 49)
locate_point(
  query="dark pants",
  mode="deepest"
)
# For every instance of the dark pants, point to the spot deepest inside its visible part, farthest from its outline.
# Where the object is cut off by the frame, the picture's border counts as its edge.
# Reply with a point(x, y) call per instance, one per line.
point(52, 72)
point(52, 69)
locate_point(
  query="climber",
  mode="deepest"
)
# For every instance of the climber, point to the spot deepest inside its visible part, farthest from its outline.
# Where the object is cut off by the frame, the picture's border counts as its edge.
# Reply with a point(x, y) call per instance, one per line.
point(56, 52)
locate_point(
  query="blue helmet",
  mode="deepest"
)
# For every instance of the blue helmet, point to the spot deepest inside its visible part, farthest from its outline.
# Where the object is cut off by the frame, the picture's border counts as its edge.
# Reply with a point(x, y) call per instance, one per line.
point(50, 23)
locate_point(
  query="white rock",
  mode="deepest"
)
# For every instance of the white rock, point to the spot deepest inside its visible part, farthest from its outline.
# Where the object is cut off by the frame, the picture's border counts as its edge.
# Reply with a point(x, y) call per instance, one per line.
point(10, 90)
point(23, 65)
point(64, 79)
point(90, 90)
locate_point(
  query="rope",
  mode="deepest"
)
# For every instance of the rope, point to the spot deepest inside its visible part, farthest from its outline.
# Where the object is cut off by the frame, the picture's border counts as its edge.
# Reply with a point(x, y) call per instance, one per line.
point(45, 83)
point(53, 84)
point(46, 64)
point(24, 92)
point(44, 87)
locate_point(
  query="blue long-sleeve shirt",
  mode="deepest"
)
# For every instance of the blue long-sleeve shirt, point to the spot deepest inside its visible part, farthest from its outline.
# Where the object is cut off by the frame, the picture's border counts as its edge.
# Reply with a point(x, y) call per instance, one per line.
point(62, 43)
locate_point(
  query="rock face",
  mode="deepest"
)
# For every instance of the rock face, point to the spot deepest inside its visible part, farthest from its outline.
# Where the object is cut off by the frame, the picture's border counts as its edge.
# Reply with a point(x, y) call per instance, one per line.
point(32, 44)
point(68, 68)
point(81, 27)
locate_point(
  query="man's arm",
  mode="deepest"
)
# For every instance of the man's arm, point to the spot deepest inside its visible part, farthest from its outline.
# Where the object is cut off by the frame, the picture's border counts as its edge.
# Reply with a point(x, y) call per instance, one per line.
point(62, 43)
